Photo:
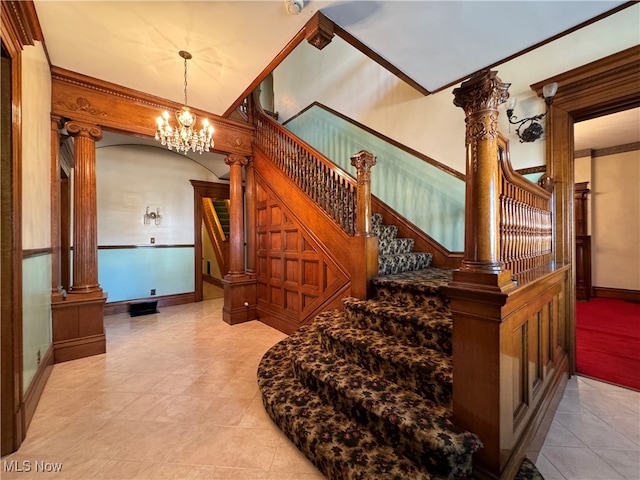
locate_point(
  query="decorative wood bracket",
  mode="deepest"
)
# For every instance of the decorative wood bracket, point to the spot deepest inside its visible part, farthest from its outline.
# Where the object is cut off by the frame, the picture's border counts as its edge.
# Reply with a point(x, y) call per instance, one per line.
point(319, 31)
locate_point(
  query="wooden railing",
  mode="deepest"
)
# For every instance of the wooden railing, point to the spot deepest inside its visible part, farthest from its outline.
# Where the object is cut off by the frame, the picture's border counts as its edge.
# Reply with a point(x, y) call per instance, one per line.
point(328, 186)
point(218, 238)
point(525, 218)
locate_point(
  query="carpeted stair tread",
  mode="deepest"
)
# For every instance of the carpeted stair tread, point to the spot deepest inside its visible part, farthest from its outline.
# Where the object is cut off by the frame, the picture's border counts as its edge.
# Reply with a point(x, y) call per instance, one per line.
point(395, 246)
point(417, 288)
point(417, 428)
point(528, 471)
point(429, 329)
point(424, 371)
point(340, 447)
point(403, 262)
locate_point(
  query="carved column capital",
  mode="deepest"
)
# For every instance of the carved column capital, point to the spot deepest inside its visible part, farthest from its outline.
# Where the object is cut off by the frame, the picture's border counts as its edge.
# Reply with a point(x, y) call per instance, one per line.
point(235, 160)
point(82, 129)
point(483, 91)
point(363, 161)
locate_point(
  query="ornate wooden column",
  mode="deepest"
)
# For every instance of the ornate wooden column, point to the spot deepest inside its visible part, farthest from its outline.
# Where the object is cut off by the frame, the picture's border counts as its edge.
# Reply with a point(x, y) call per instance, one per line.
point(479, 289)
point(365, 266)
point(78, 328)
point(251, 218)
point(239, 287)
point(479, 97)
point(85, 210)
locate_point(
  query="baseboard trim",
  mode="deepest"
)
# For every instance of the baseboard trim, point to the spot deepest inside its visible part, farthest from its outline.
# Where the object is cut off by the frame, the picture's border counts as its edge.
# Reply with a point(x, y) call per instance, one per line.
point(619, 293)
point(67, 350)
point(212, 280)
point(163, 301)
point(39, 381)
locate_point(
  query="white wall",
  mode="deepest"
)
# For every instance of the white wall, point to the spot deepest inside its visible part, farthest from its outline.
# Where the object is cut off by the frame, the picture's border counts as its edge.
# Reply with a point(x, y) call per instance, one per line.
point(615, 218)
point(342, 78)
point(36, 208)
point(36, 148)
point(130, 178)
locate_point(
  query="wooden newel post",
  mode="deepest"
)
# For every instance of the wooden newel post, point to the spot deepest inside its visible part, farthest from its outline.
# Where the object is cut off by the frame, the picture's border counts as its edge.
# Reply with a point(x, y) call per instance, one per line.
point(480, 97)
point(363, 161)
point(365, 262)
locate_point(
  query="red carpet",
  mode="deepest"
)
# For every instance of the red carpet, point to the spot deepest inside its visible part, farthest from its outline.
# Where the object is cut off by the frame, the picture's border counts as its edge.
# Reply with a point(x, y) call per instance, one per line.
point(608, 341)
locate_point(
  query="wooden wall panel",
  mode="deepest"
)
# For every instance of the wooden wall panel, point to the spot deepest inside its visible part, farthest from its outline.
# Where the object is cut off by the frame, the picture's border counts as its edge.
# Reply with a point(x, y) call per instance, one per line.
point(295, 274)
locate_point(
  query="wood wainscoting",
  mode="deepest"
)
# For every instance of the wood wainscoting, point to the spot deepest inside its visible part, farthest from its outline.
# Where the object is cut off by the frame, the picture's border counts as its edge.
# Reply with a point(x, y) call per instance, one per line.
point(297, 277)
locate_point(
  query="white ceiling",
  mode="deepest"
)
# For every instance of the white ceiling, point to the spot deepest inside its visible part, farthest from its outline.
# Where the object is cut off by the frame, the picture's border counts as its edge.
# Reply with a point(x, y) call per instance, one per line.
point(612, 130)
point(437, 43)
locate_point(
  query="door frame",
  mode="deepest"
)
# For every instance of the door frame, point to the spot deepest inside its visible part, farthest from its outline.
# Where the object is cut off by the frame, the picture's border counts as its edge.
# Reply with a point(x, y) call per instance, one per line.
point(202, 189)
point(598, 88)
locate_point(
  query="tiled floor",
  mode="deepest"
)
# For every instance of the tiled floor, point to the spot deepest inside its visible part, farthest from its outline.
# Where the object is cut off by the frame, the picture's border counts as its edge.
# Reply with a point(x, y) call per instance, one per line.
point(176, 397)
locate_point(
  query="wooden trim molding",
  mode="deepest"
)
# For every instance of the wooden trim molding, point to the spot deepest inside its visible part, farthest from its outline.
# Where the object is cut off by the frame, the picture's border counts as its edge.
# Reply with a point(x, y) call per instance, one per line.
point(202, 189)
point(605, 86)
point(163, 301)
point(36, 252)
point(124, 110)
point(151, 245)
point(12, 408)
point(548, 40)
point(293, 43)
point(530, 170)
point(22, 15)
point(603, 152)
point(357, 44)
point(39, 381)
point(619, 293)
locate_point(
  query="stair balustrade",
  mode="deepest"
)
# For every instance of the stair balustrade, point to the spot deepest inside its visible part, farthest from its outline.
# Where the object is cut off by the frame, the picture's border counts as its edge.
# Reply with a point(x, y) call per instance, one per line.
point(330, 188)
point(525, 218)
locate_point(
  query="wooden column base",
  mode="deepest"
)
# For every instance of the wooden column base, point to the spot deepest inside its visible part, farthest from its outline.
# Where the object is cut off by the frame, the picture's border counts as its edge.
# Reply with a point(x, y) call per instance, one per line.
point(239, 299)
point(78, 327)
point(485, 281)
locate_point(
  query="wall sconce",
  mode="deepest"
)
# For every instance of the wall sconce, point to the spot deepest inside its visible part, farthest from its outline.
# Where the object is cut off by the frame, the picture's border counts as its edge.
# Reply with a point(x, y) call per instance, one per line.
point(152, 216)
point(533, 130)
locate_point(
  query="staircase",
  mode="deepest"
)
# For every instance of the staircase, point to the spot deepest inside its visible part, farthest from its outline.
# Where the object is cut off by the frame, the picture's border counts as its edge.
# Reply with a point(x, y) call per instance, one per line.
point(220, 206)
point(396, 255)
point(365, 393)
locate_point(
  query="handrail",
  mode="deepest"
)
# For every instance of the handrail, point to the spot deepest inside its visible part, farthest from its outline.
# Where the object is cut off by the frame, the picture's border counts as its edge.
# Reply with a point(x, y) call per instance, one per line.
point(331, 188)
point(525, 218)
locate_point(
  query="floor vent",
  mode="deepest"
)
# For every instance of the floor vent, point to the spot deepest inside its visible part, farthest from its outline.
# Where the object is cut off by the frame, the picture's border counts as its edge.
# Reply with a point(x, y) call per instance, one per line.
point(143, 308)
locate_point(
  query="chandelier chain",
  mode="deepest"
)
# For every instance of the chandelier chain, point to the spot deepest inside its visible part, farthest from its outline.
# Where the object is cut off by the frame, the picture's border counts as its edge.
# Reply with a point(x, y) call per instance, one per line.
point(185, 82)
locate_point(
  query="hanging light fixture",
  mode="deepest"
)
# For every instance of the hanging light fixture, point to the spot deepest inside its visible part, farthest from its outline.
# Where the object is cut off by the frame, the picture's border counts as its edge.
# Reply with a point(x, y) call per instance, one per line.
point(184, 137)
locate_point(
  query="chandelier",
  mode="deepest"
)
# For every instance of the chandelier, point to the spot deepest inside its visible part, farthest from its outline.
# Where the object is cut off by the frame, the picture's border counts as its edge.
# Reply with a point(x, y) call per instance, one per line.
point(184, 137)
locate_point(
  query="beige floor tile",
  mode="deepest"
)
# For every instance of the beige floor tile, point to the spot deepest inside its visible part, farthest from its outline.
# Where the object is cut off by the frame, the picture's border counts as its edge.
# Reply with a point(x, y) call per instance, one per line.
point(579, 464)
point(123, 470)
point(155, 442)
point(107, 440)
point(53, 438)
point(176, 397)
